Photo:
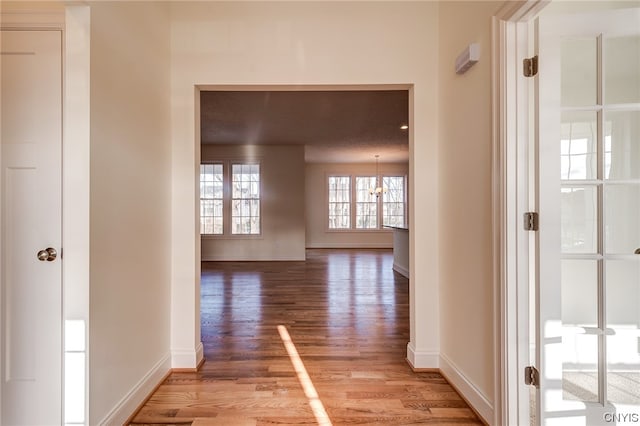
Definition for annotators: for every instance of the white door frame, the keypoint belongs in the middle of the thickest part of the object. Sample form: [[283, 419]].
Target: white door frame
[[510, 187]]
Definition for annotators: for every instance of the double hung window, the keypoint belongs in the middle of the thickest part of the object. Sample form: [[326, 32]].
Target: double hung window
[[230, 199], [393, 201], [339, 202], [211, 199], [366, 203], [245, 199]]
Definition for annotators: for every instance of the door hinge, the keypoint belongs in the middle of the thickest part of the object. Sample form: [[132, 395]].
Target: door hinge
[[530, 66], [531, 376], [531, 221]]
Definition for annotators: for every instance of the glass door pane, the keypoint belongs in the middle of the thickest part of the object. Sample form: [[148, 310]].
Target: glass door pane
[[622, 68], [579, 71], [623, 332], [622, 144], [622, 212], [579, 295]]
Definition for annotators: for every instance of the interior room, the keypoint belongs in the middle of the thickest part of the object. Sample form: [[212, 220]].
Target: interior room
[[301, 140], [114, 113]]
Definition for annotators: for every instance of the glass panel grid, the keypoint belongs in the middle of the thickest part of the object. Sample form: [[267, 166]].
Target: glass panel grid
[[211, 199], [245, 199], [621, 224], [582, 167], [600, 145], [339, 202]]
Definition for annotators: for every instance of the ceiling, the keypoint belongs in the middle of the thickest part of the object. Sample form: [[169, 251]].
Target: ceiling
[[334, 126]]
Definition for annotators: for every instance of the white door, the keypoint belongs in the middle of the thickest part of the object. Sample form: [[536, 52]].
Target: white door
[[31, 120], [589, 204]]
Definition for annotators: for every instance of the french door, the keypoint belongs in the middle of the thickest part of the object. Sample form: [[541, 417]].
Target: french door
[[588, 196]]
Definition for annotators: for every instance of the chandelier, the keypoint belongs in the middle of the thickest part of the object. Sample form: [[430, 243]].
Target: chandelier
[[378, 188]]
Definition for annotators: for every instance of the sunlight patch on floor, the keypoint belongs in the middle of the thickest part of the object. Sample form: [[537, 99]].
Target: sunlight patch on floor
[[303, 377]]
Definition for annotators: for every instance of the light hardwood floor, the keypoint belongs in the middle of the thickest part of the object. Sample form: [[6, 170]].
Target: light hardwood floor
[[347, 315]]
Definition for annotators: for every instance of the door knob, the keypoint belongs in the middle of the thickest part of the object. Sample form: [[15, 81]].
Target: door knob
[[49, 254], [637, 251]]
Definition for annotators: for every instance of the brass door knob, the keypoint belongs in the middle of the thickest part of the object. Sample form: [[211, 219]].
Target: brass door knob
[[49, 254]]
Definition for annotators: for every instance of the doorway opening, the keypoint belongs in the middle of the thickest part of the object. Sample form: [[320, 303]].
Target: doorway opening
[[287, 141]]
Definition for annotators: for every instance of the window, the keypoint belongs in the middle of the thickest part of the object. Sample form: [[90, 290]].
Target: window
[[245, 199], [393, 201], [339, 202], [232, 191], [211, 199], [371, 212], [366, 203]]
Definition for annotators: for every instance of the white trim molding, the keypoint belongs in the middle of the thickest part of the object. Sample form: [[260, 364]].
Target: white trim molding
[[402, 270], [469, 391], [224, 258], [509, 180], [187, 358], [136, 396], [349, 246], [421, 358], [48, 17]]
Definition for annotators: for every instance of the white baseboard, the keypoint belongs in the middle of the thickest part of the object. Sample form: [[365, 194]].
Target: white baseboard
[[187, 358], [401, 270], [199, 353], [421, 358], [132, 400], [349, 246], [225, 258], [469, 391]]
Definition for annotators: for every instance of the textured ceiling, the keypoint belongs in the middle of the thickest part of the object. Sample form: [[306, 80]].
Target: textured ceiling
[[334, 126]]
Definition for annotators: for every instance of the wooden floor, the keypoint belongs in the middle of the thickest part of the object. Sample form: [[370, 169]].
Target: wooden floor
[[347, 315]]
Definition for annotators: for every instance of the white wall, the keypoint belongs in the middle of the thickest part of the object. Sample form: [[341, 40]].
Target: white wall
[[130, 224], [306, 43], [318, 234], [466, 298], [282, 205]]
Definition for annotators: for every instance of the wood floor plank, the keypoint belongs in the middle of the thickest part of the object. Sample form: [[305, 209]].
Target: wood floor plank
[[347, 314]]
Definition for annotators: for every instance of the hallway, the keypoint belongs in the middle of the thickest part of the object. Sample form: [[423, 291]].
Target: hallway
[[346, 314]]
